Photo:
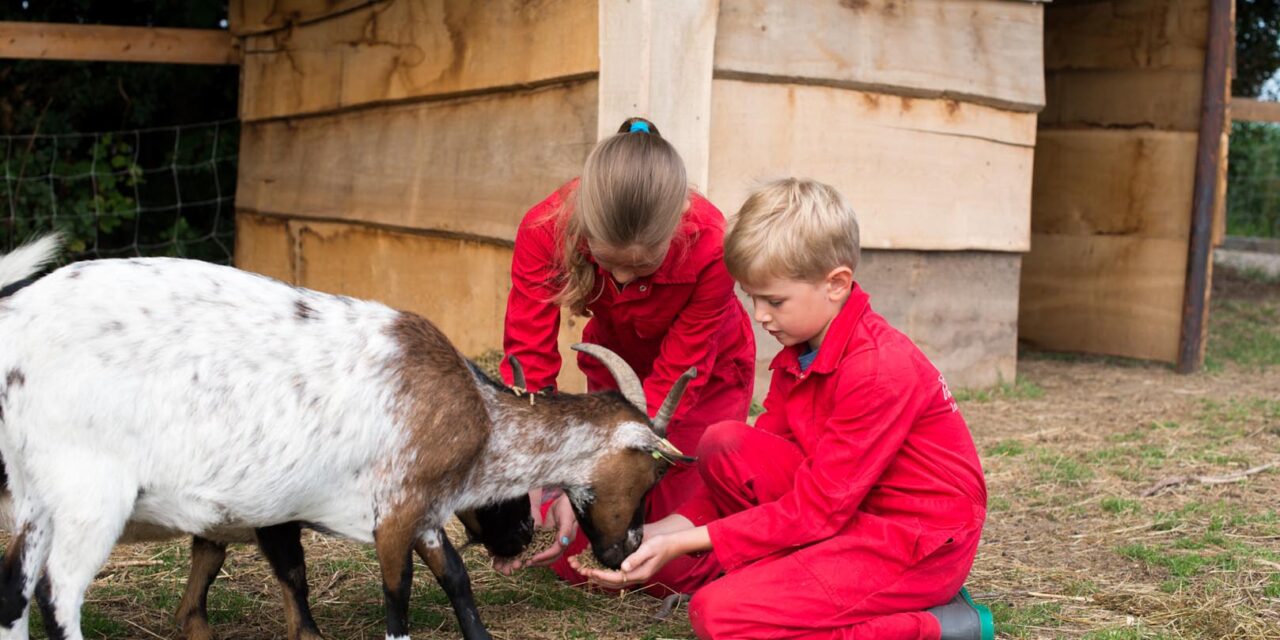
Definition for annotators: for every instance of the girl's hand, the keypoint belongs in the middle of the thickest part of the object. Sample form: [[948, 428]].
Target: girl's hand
[[653, 554], [561, 518]]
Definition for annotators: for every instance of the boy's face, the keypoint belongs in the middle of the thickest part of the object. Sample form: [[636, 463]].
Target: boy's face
[[798, 311]]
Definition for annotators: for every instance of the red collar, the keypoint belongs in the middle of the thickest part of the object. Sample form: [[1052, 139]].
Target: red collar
[[834, 344]]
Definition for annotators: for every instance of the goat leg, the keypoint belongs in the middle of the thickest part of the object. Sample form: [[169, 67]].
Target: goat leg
[[446, 565], [282, 546], [207, 557]]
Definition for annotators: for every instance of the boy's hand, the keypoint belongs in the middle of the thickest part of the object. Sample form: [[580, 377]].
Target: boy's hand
[[652, 555]]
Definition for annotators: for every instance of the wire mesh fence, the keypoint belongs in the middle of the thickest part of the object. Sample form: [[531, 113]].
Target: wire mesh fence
[[1253, 180], [164, 191]]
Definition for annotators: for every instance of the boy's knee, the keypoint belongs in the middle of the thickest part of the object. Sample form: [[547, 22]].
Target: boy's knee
[[703, 609], [722, 437]]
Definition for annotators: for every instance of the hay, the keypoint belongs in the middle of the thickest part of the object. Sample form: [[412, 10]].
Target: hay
[[542, 540]]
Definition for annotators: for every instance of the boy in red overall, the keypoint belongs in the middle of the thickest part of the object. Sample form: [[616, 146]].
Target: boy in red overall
[[856, 502]]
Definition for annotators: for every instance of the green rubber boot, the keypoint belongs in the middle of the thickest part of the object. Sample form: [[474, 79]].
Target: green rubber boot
[[964, 619]]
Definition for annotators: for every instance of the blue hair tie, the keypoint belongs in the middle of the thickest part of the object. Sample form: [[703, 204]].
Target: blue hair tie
[[640, 126]]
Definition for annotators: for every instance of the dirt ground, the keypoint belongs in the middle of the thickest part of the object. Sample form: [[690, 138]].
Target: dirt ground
[[1126, 502]]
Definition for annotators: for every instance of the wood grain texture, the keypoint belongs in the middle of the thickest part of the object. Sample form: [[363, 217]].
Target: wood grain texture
[[972, 50], [1114, 182], [1126, 34], [470, 167], [1113, 295], [1251, 110], [959, 307], [655, 61], [459, 285], [407, 49], [1167, 99], [258, 16], [106, 43], [922, 174]]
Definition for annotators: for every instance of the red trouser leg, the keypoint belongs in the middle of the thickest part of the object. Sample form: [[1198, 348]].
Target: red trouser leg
[[866, 582]]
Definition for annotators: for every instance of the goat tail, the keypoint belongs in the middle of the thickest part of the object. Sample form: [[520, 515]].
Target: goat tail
[[27, 260]]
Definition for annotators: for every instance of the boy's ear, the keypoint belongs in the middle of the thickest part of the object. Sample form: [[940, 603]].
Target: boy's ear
[[840, 282]]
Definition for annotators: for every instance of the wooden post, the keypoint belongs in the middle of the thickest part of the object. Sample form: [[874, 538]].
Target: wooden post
[[656, 62], [1251, 110], [105, 43], [1213, 117]]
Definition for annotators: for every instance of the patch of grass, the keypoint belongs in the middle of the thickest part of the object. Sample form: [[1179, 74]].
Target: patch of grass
[[1006, 448], [1244, 333], [998, 503], [1120, 505], [1023, 389], [1021, 621], [1179, 565], [229, 605], [1059, 469], [1272, 590]]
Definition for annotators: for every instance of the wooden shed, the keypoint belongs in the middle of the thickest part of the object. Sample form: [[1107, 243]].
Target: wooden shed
[[389, 148], [1129, 178]]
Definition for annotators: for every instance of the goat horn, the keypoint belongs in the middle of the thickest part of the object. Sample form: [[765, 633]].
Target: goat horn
[[669, 405], [623, 374], [517, 372]]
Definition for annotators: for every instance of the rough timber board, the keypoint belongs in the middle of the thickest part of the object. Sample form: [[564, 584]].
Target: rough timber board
[[960, 308], [1167, 99], [416, 48], [922, 174], [1114, 182], [263, 246], [1126, 34], [461, 286], [468, 166], [655, 61], [253, 16], [980, 50], [1113, 295]]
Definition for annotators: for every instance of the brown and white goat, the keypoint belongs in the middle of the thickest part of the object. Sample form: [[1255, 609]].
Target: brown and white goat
[[204, 399]]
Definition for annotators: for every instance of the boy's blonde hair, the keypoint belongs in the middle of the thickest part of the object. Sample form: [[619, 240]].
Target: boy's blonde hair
[[792, 228], [633, 191]]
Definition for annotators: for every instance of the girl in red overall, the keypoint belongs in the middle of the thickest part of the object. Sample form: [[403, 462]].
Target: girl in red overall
[[631, 246], [854, 506]]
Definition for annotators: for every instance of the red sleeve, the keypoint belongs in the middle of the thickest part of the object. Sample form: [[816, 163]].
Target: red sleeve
[[532, 325], [693, 339], [871, 421]]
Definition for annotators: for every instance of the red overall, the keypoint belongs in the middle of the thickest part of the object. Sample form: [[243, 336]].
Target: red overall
[[685, 314], [855, 503]]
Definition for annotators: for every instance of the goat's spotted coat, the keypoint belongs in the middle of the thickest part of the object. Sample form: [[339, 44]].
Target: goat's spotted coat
[[203, 399]]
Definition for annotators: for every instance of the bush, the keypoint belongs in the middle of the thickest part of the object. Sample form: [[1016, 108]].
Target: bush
[[1253, 180]]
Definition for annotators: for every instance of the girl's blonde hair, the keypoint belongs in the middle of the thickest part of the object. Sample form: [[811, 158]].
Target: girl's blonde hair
[[792, 228], [633, 191]]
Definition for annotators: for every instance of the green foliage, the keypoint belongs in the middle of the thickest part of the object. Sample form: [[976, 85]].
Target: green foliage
[[159, 191], [84, 195], [1257, 45], [1253, 180]]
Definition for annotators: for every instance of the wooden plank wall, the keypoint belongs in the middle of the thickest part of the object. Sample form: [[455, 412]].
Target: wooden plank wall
[[923, 114], [389, 149], [1114, 171]]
